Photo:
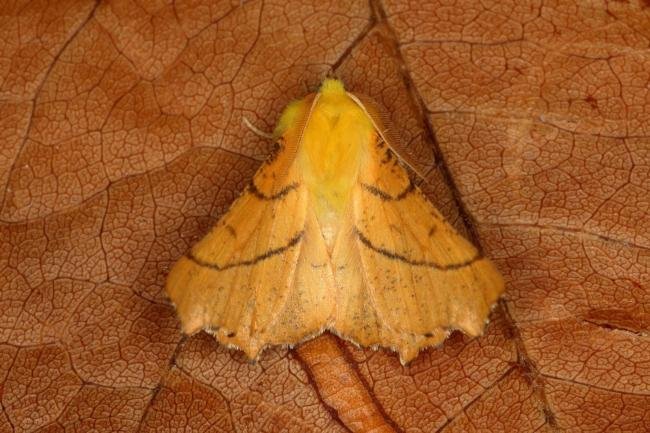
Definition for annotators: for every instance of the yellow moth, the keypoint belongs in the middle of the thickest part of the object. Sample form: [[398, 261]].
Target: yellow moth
[[333, 235]]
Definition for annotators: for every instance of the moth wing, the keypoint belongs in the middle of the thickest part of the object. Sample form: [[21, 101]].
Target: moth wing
[[382, 123], [261, 276], [417, 278]]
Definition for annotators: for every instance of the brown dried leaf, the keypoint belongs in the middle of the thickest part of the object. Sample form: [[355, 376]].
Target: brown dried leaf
[[122, 143]]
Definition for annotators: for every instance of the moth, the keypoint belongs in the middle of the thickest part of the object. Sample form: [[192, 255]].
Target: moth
[[332, 234]]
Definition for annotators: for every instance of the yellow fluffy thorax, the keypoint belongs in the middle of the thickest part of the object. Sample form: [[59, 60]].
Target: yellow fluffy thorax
[[334, 143], [331, 147]]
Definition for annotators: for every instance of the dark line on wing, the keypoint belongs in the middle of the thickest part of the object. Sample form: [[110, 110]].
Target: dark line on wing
[[395, 256], [387, 197], [270, 253], [388, 155], [252, 188], [279, 146]]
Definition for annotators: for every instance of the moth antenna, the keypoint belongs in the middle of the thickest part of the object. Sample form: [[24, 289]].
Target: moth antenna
[[256, 130]]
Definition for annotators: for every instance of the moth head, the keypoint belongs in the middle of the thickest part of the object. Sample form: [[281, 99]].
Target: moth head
[[332, 86], [295, 109]]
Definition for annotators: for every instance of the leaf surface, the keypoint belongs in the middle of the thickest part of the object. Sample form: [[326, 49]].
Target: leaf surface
[[122, 143]]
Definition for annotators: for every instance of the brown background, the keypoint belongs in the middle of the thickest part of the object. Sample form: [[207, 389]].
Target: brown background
[[121, 142]]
